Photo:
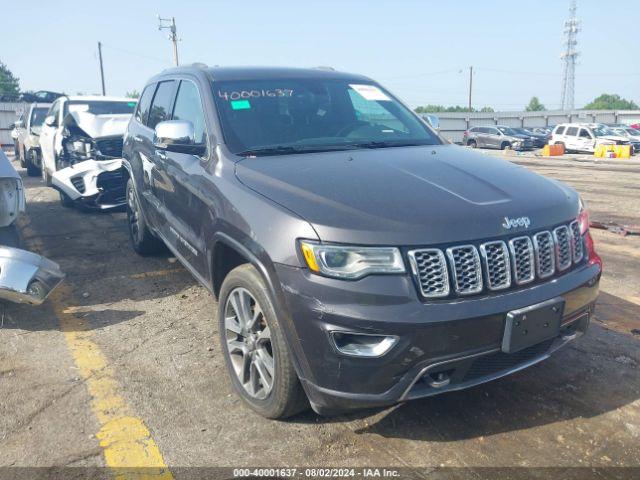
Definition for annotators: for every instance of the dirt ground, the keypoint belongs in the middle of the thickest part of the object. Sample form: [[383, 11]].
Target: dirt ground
[[154, 329]]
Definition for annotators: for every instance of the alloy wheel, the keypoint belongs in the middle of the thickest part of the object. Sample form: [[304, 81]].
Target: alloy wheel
[[249, 343], [133, 213]]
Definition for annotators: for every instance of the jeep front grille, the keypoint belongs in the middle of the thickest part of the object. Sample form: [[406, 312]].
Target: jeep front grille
[[495, 258], [576, 242], [563, 247], [522, 260], [545, 257], [496, 265], [430, 267], [465, 269]]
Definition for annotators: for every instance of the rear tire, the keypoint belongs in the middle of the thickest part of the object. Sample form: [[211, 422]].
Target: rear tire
[[143, 241], [472, 144], [23, 158], [260, 365]]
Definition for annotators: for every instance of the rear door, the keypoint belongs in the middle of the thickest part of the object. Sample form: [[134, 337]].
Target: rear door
[[571, 138]]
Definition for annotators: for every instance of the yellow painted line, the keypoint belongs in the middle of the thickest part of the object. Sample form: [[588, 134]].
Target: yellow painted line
[[129, 449], [156, 273]]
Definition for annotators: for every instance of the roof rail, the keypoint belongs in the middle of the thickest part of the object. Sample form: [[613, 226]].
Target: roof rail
[[324, 67], [199, 65]]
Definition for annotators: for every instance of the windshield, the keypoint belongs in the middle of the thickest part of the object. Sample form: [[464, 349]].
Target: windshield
[[37, 116], [602, 131], [633, 132], [99, 107], [282, 116], [507, 131]]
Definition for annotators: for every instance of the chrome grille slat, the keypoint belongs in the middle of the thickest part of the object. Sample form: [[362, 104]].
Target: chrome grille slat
[[497, 268], [430, 267], [577, 247], [545, 255], [562, 240], [522, 260], [465, 269]]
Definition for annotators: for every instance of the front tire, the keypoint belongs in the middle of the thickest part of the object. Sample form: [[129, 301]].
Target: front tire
[[505, 145], [143, 241], [65, 200], [258, 359], [23, 158]]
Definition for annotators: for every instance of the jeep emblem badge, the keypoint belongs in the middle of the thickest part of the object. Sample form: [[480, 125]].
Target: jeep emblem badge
[[510, 223]]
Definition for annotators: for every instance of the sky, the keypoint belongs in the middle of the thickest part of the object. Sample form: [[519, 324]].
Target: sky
[[419, 49]]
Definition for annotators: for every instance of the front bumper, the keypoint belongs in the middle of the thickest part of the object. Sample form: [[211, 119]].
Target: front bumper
[[93, 184], [462, 336]]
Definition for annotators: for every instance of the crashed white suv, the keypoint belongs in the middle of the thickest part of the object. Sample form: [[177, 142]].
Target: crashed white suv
[[81, 144], [585, 137]]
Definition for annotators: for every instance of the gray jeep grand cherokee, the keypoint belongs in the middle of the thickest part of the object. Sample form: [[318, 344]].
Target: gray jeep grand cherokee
[[358, 259]]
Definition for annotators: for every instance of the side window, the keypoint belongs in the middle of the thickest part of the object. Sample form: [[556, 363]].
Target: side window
[[494, 131], [584, 133], [573, 131], [142, 111], [161, 105], [559, 130], [189, 107]]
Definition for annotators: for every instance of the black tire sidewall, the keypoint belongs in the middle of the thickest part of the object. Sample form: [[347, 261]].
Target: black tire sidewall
[[246, 276]]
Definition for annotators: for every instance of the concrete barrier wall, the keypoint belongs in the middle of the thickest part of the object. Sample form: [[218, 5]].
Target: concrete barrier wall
[[453, 125]]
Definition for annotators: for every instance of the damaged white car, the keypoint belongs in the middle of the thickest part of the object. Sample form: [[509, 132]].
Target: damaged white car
[[25, 277], [81, 144]]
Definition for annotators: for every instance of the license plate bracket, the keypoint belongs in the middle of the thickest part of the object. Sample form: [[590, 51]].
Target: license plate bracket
[[531, 325]]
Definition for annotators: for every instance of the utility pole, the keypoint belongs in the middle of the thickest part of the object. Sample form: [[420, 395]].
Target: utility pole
[[470, 85], [170, 24], [101, 68], [569, 59]]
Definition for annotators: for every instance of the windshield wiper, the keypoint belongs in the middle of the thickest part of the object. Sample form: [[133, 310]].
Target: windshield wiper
[[292, 149], [386, 144]]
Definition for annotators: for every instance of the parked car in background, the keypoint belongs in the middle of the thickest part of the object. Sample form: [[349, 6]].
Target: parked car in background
[[358, 259], [585, 137], [41, 96], [29, 138], [539, 130], [15, 132], [86, 133], [539, 139], [498, 136], [631, 133], [25, 277]]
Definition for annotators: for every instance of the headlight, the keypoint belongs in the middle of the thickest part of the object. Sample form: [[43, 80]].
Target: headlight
[[351, 262]]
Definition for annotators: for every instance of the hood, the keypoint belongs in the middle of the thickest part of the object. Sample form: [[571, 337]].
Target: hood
[[408, 195], [97, 126], [614, 138]]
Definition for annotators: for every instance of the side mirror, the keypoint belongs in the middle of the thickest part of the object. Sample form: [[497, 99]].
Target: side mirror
[[177, 136], [50, 121]]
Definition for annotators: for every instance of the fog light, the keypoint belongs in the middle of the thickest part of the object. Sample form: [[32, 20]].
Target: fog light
[[362, 344]]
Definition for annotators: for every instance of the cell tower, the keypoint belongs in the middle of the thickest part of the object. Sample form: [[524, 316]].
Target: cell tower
[[569, 58]]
